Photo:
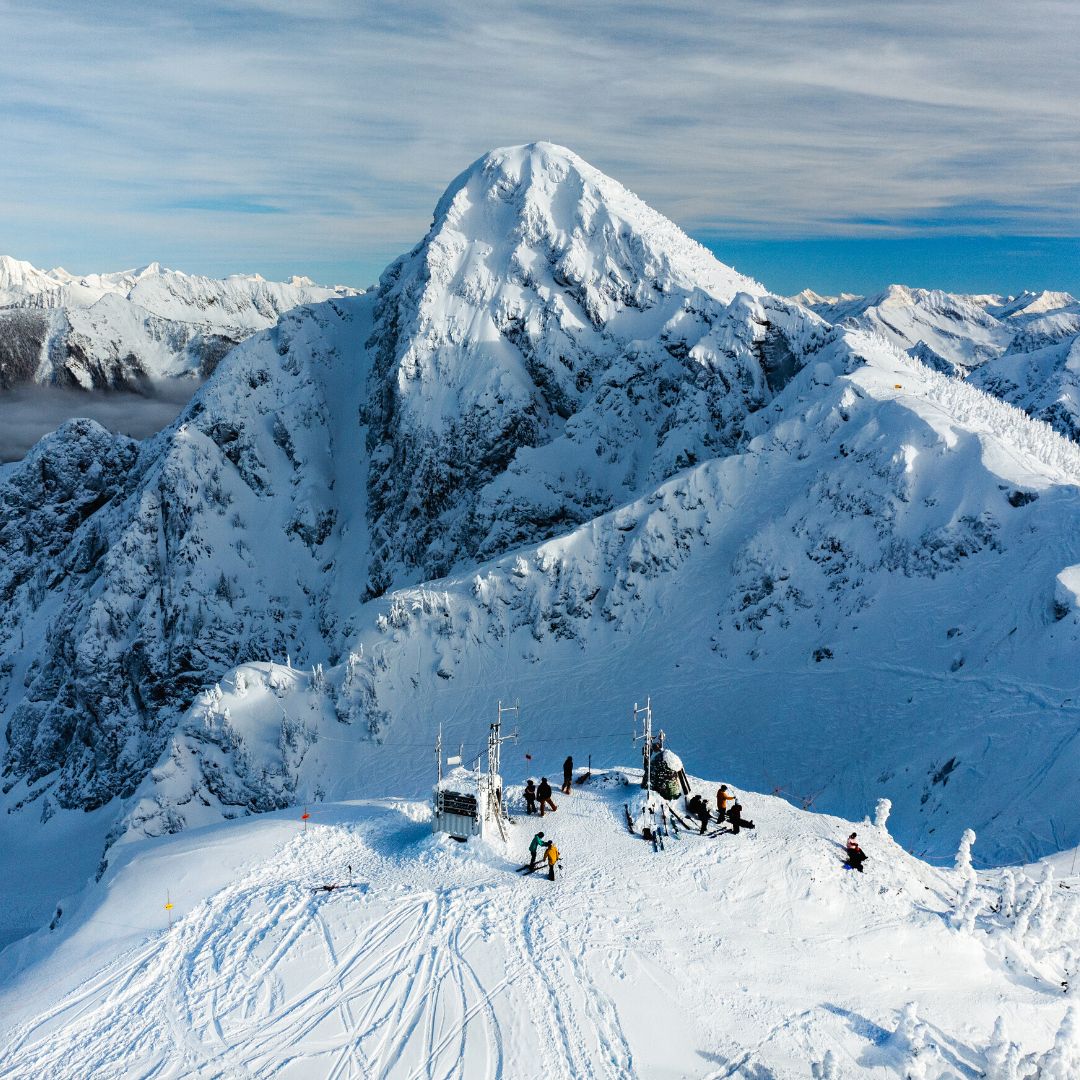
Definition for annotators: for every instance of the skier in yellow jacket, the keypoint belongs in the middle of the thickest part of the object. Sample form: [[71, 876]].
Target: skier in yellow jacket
[[552, 856]]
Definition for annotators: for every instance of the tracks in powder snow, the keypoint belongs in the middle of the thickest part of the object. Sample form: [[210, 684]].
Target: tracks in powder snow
[[265, 978]]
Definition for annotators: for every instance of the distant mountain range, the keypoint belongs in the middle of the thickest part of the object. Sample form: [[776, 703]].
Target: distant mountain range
[[124, 330], [1023, 349]]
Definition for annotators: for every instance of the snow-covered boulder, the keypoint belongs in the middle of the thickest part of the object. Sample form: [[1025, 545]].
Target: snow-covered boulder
[[1067, 592]]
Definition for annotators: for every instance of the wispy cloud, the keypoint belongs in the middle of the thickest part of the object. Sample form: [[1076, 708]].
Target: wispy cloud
[[263, 134], [224, 204]]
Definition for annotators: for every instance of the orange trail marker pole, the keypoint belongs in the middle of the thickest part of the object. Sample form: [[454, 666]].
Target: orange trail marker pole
[[303, 817], [168, 908]]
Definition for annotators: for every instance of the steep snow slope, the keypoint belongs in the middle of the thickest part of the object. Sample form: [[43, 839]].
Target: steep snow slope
[[1016, 347], [122, 330], [133, 573], [734, 956], [1044, 382], [885, 554]]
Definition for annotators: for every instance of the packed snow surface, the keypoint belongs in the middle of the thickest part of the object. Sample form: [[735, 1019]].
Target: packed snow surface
[[719, 956]]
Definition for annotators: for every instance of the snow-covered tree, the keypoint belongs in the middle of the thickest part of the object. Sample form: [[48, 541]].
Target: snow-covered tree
[[1062, 1060], [1032, 902], [881, 813], [967, 906], [963, 853], [1002, 1055], [909, 1043], [1008, 895]]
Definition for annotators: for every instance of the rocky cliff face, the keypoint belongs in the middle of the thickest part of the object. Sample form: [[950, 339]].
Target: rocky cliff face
[[130, 574]]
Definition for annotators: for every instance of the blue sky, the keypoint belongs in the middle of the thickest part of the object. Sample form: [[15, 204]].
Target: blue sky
[[836, 146]]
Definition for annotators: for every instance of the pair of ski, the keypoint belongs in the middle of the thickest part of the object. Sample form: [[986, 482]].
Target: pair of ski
[[527, 869], [334, 886], [647, 833], [657, 834]]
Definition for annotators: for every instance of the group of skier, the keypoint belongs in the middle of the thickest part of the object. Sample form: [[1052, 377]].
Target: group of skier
[[728, 809], [539, 795]]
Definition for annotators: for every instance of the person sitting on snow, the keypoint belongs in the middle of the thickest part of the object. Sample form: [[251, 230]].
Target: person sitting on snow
[[734, 816], [855, 854], [699, 808]]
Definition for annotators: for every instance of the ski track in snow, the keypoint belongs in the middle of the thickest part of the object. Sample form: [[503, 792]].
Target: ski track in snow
[[392, 992], [716, 957]]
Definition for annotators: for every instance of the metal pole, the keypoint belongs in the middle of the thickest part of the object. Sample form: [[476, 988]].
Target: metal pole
[[648, 745]]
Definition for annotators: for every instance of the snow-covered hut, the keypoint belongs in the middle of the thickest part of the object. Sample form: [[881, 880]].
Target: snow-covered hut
[[464, 802], [666, 774]]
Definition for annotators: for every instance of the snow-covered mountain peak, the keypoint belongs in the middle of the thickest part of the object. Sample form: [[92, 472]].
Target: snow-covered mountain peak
[[1035, 303], [601, 232], [16, 274], [543, 292]]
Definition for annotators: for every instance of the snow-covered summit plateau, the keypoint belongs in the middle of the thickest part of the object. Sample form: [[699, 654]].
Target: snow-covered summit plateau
[[746, 956], [560, 454]]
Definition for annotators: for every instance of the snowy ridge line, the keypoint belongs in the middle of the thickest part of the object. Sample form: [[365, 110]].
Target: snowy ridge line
[[984, 412]]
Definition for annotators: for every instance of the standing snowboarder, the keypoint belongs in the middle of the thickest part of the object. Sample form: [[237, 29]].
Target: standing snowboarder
[[543, 795], [699, 808], [567, 775], [552, 856], [855, 854], [530, 796], [535, 845]]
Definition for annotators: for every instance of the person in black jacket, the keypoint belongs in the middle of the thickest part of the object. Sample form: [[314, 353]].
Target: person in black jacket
[[699, 808], [543, 795], [530, 796], [567, 774], [734, 815]]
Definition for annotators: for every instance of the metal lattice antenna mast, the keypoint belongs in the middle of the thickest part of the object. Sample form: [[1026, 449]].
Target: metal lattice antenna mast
[[438, 753], [645, 712], [495, 741]]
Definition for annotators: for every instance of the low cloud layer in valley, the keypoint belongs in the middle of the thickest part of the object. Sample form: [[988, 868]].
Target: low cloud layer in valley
[[28, 414]]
